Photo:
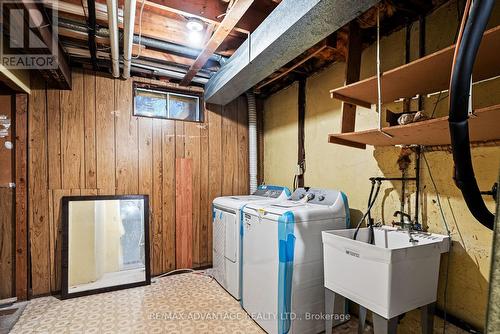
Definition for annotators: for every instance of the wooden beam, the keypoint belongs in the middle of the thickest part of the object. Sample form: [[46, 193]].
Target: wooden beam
[[294, 66], [21, 154], [186, 14], [351, 100], [345, 142], [62, 74], [232, 17], [162, 56], [353, 67]]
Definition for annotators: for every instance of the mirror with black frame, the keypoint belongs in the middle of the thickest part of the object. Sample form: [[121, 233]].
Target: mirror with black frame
[[105, 243]]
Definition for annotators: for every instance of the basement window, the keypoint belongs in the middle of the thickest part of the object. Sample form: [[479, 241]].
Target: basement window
[[161, 102]]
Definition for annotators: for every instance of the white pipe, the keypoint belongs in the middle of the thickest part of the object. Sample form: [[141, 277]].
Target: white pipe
[[113, 36], [128, 28], [252, 141]]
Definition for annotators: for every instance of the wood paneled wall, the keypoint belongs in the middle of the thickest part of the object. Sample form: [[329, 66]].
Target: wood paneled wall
[[7, 231], [86, 141]]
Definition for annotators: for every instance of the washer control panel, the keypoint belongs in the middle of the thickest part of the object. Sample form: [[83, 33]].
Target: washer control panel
[[270, 191], [316, 195]]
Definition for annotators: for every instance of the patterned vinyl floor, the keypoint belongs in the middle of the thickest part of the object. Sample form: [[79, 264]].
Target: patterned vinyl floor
[[175, 304]]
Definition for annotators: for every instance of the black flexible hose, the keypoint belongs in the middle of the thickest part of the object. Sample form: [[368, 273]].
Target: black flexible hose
[[370, 200], [371, 238], [459, 102], [367, 211]]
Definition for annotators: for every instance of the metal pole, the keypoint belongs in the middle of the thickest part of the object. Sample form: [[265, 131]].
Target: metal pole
[[417, 184]]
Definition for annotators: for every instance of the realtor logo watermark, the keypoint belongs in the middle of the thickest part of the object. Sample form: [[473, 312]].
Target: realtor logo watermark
[[28, 41]]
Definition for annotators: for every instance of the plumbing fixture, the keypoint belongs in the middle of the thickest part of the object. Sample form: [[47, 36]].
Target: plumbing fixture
[[408, 225]]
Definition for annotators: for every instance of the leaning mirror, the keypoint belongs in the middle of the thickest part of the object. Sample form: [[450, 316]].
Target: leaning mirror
[[105, 244]]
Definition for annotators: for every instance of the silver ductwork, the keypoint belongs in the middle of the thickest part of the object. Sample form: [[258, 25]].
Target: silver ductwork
[[150, 43], [252, 140]]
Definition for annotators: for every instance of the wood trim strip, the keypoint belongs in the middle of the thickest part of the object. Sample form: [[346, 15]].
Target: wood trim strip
[[184, 213], [21, 209]]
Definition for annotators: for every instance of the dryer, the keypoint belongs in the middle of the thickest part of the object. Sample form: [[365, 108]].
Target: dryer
[[226, 233], [282, 261]]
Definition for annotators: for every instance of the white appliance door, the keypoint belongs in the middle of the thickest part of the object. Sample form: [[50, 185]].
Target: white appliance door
[[231, 235], [218, 246], [260, 271]]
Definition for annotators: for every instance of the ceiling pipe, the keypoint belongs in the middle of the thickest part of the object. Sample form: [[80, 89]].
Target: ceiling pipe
[[128, 28], [113, 36], [91, 33], [81, 56], [150, 43], [164, 72]]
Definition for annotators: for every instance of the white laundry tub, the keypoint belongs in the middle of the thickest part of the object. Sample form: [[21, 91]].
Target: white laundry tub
[[389, 278]]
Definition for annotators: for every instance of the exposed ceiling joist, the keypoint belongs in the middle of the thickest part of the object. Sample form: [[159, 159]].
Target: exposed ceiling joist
[[292, 28], [323, 45], [79, 10], [61, 74], [186, 14], [237, 10]]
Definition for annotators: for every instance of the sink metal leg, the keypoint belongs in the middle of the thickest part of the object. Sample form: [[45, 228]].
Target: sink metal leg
[[361, 319], [329, 305], [427, 314], [334, 308], [382, 325]]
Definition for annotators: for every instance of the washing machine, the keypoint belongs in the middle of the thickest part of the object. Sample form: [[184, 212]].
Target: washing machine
[[227, 230], [282, 259]]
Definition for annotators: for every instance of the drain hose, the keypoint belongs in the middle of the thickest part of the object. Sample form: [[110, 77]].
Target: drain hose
[[468, 47]]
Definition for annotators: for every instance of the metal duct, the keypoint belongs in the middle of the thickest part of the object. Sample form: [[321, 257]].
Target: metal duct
[[252, 140], [128, 28], [140, 66], [151, 43], [113, 36], [167, 72]]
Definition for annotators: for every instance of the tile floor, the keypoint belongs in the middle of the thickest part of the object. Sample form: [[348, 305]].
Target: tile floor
[[172, 304]]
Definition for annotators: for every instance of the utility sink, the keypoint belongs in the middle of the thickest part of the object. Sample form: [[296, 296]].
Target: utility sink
[[391, 277]]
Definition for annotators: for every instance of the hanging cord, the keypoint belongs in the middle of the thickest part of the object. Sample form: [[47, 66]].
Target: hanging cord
[[438, 197], [140, 31], [370, 205]]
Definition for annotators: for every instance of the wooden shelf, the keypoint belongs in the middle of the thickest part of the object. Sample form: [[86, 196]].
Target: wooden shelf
[[426, 75], [483, 126]]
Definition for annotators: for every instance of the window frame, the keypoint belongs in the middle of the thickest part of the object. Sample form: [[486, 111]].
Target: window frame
[[170, 90]]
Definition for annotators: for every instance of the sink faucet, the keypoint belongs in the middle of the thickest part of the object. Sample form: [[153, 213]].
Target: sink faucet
[[410, 226]]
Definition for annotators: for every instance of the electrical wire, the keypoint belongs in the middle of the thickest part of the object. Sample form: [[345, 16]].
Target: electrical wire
[[445, 292], [140, 31]]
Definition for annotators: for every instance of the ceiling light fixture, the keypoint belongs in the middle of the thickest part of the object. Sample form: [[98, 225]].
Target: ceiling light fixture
[[195, 24]]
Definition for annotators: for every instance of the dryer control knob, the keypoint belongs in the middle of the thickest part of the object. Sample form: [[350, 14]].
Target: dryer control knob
[[321, 198]]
